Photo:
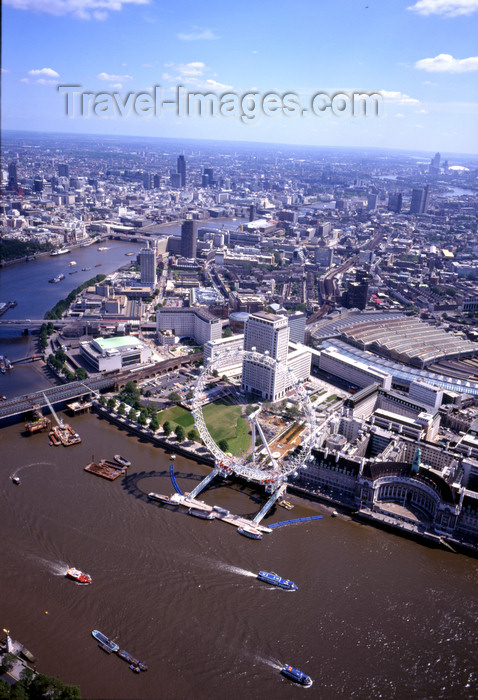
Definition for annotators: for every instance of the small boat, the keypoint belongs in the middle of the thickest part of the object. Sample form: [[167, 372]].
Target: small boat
[[73, 272], [78, 576], [172, 456], [161, 497], [249, 531], [297, 676], [54, 280], [334, 513], [131, 253], [276, 580], [15, 479], [60, 251], [98, 264], [204, 514], [135, 664], [122, 461], [61, 276], [103, 247], [72, 263], [103, 640], [220, 511], [84, 269], [286, 504]]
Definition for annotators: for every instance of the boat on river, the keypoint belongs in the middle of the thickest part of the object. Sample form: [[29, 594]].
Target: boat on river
[[135, 664], [275, 580], [105, 643], [162, 498], [297, 676], [60, 251], [122, 461], [249, 531], [199, 513], [78, 576]]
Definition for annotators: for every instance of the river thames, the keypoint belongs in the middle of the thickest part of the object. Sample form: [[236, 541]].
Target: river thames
[[375, 616]]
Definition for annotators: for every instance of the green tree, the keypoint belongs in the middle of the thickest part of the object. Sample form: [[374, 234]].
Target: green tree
[[193, 435], [154, 423], [174, 397], [111, 404], [122, 408], [81, 373], [167, 428], [102, 401], [223, 445], [143, 417], [180, 434], [189, 395], [227, 332], [8, 661], [132, 415], [215, 373]]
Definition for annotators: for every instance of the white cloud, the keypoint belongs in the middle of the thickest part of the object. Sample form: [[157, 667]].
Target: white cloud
[[45, 72], [445, 63], [421, 111], [114, 78], [446, 8], [198, 34], [214, 85], [4, 70], [80, 9], [116, 86], [185, 70], [398, 97], [400, 116]]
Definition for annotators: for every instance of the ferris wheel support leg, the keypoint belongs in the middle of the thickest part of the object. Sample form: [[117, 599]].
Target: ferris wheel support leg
[[204, 483], [268, 505]]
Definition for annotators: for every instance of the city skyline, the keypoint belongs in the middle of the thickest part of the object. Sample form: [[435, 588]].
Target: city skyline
[[419, 56]]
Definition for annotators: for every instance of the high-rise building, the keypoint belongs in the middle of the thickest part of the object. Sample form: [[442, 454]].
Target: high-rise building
[[267, 333], [372, 201], [182, 170], [12, 176], [189, 239], [63, 170], [395, 201], [420, 200], [175, 179], [147, 263]]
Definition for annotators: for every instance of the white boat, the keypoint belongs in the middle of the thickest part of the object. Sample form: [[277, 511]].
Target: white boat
[[72, 262], [249, 531], [60, 251], [103, 247]]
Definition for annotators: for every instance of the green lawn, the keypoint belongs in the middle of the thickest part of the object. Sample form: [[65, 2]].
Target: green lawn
[[223, 420], [177, 415]]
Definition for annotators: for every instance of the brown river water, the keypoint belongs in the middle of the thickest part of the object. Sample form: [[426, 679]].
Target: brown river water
[[375, 616]]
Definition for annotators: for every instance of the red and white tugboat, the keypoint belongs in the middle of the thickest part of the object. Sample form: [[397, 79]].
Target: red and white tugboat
[[78, 576]]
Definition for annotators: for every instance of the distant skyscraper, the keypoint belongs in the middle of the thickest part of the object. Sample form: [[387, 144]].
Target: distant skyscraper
[[148, 179], [63, 170], [175, 179], [147, 263], [182, 170], [435, 161], [372, 201], [252, 213], [189, 239], [420, 199], [12, 177], [395, 200]]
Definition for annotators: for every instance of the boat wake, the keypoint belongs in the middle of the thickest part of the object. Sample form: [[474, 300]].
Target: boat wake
[[57, 568], [273, 663], [237, 570], [29, 466]]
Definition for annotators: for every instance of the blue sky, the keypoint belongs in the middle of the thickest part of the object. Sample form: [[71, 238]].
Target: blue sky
[[422, 55]]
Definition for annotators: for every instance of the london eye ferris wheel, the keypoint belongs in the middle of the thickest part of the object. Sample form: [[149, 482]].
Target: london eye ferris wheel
[[272, 457]]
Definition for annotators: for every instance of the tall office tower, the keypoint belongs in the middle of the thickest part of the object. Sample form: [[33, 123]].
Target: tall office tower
[[209, 172], [252, 213], [38, 184], [147, 181], [324, 257], [189, 239], [435, 161], [266, 333], [372, 201], [156, 181], [182, 170], [296, 323], [420, 200], [147, 263], [395, 201], [12, 176], [175, 179], [63, 170], [356, 296]]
